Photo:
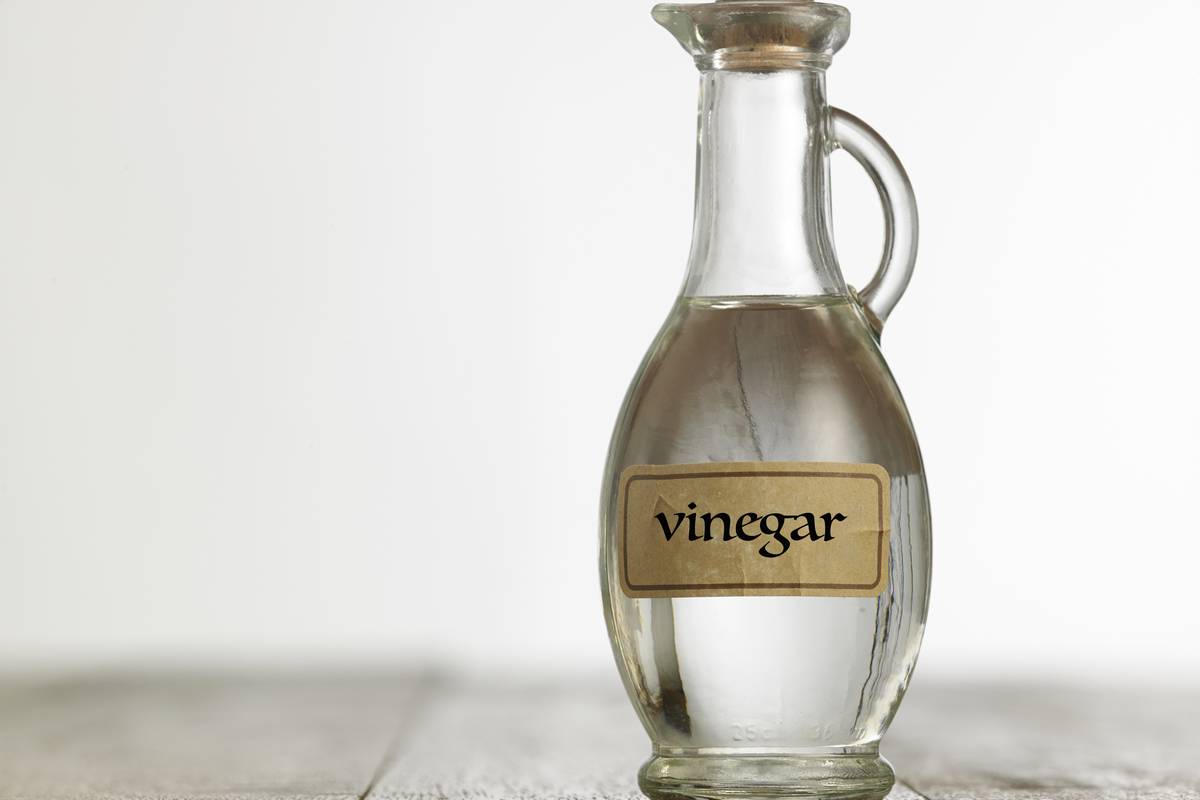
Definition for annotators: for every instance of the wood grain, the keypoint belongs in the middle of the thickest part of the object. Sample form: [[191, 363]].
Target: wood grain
[[578, 740], [413, 737], [1013, 742], [199, 737]]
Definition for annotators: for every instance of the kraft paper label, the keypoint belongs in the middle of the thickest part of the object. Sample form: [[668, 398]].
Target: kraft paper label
[[754, 529]]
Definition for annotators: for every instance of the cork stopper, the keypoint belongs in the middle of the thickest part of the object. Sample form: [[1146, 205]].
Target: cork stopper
[[753, 34]]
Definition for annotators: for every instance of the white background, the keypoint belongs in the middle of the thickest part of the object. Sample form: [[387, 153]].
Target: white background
[[315, 318]]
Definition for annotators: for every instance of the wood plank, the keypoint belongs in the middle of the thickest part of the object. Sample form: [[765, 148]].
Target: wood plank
[[199, 737], [204, 738], [566, 739], [1019, 742]]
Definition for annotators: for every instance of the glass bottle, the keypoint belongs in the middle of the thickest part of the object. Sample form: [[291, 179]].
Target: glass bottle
[[765, 533]]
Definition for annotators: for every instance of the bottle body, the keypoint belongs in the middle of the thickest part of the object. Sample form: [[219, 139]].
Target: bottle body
[[765, 652], [758, 692]]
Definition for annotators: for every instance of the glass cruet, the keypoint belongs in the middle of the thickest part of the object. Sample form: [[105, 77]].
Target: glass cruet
[[765, 532]]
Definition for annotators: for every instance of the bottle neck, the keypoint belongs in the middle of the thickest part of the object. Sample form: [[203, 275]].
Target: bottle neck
[[762, 225]]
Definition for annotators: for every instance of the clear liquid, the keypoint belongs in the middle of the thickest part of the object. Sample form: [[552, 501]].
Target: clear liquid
[[769, 379]]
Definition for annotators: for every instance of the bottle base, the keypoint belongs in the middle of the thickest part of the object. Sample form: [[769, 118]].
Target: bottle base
[[840, 777]]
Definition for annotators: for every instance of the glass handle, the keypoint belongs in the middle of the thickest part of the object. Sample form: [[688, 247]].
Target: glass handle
[[880, 296]]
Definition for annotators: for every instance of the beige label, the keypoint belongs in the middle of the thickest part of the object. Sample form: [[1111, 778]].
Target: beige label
[[740, 529]]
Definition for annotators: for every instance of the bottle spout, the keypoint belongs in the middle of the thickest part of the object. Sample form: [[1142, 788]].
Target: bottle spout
[[751, 34]]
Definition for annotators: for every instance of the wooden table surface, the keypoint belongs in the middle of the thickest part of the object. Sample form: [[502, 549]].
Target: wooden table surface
[[418, 736]]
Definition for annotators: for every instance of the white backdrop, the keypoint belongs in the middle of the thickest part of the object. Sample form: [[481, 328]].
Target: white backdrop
[[297, 297]]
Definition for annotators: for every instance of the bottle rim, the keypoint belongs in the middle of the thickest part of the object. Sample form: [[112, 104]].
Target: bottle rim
[[757, 34]]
